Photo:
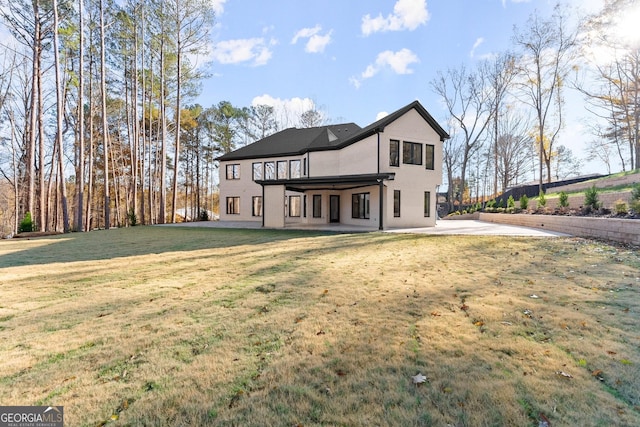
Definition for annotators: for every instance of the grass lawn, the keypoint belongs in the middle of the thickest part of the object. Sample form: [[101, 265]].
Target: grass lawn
[[165, 326]]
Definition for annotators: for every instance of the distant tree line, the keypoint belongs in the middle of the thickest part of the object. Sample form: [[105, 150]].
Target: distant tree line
[[505, 114], [97, 124]]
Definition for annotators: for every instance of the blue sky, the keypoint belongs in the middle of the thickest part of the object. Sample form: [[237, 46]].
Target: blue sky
[[357, 59]]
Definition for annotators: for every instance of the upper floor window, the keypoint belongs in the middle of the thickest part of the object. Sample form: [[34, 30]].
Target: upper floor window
[[394, 152], [412, 153], [429, 150], [269, 170], [282, 169], [233, 171], [257, 171], [294, 169]]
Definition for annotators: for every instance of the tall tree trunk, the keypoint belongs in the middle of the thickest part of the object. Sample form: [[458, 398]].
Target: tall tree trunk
[[59, 124], [81, 160], [162, 217], [31, 149], [105, 125], [176, 160]]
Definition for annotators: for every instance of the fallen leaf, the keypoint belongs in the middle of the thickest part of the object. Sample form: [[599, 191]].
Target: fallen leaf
[[435, 313], [464, 307], [418, 379], [564, 374], [611, 352], [479, 323], [320, 333]]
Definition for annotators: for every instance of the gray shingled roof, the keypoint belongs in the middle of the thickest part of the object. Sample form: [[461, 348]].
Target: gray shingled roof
[[293, 141]]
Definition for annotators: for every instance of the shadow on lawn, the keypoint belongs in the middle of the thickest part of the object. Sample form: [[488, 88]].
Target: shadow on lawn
[[134, 241]]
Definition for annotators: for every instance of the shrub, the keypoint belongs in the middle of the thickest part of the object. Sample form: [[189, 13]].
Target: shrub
[[635, 192], [491, 204], [620, 207], [204, 215], [542, 201], [564, 199], [635, 206], [591, 199], [511, 203], [26, 225], [132, 217], [524, 202]]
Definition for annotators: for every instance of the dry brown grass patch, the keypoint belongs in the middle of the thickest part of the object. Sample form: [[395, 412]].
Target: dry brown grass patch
[[161, 326]]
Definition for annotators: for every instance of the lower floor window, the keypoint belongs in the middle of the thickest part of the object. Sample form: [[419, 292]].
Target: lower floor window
[[360, 205], [256, 209], [427, 203], [233, 205], [294, 205], [396, 203], [317, 205]]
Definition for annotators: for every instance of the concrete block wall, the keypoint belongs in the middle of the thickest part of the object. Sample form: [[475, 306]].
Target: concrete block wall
[[618, 230]]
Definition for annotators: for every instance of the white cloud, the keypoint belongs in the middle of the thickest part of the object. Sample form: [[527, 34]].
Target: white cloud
[[236, 51], [287, 111], [398, 62], [476, 45], [407, 15], [316, 42], [381, 115], [504, 2], [218, 6]]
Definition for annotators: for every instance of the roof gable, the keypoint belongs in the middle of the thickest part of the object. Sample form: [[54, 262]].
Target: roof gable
[[294, 141]]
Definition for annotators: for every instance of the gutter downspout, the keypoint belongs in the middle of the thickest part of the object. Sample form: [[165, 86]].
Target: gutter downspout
[[381, 187], [263, 204]]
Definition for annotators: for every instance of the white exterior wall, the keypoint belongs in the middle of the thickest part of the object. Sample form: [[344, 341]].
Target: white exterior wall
[[411, 180], [358, 158]]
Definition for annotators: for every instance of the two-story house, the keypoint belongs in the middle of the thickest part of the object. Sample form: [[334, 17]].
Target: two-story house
[[384, 175]]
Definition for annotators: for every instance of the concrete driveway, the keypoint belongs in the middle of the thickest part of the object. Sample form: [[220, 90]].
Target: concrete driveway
[[451, 227], [479, 228]]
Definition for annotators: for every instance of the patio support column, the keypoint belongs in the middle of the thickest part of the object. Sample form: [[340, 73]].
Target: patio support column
[[381, 187]]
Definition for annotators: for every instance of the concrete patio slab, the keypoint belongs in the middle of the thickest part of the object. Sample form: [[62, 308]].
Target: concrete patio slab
[[458, 227]]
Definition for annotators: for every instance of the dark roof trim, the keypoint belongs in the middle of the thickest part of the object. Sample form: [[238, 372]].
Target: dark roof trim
[[337, 182], [379, 126]]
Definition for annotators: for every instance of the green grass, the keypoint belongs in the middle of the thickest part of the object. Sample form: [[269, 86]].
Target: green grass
[[192, 326]]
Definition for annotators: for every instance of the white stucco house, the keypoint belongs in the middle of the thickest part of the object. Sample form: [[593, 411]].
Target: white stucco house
[[384, 175]]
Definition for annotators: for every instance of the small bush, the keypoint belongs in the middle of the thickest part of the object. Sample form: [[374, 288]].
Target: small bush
[[524, 202], [635, 206], [591, 199], [635, 192], [620, 207], [132, 217], [511, 203], [204, 215], [26, 225], [542, 201], [491, 204], [564, 199]]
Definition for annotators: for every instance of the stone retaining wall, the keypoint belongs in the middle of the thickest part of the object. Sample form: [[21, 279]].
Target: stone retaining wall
[[618, 230]]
